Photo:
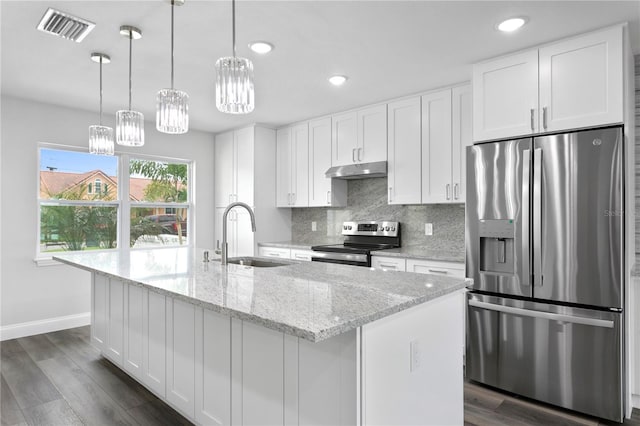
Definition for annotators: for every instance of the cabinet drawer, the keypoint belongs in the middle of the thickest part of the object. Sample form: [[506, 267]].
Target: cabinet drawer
[[301, 255], [450, 269], [282, 253], [388, 263]]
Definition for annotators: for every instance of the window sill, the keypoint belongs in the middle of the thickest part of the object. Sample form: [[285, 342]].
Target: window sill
[[46, 261]]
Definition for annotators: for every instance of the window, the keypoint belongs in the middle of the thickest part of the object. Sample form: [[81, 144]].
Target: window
[[82, 201]]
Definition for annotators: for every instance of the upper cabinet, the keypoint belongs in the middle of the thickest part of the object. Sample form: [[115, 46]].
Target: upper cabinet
[[323, 191], [569, 84], [292, 181], [359, 136], [234, 161]]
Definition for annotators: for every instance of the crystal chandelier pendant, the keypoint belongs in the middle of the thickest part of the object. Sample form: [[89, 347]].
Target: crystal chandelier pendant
[[234, 85], [101, 140], [129, 128], [172, 111]]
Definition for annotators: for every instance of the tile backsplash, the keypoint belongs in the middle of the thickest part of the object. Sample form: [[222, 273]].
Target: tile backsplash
[[367, 200]]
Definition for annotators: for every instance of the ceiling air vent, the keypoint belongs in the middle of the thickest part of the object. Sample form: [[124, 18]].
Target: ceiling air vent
[[64, 25]]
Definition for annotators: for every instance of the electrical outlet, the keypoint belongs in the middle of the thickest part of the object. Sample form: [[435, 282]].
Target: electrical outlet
[[414, 355], [428, 229], [314, 226]]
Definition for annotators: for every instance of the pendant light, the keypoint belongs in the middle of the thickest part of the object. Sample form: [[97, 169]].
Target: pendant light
[[172, 106], [130, 124], [100, 137], [234, 79]]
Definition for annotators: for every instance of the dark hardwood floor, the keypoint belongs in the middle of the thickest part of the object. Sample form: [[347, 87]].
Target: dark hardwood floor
[[60, 379]]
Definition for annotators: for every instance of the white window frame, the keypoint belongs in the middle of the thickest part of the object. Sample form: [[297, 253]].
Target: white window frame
[[122, 203]]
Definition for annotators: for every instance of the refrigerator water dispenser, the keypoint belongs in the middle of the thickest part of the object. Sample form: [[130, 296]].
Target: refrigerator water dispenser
[[497, 246]]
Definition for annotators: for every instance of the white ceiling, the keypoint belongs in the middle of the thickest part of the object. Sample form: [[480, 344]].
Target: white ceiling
[[387, 48]]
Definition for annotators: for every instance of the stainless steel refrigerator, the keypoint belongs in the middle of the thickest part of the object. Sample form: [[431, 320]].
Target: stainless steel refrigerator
[[545, 245]]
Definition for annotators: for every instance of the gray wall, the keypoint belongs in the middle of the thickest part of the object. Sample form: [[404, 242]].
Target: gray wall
[[367, 200]]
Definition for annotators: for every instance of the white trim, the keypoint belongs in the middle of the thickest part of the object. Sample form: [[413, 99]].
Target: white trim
[[635, 401], [31, 328]]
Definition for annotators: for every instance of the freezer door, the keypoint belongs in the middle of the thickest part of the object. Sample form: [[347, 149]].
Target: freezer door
[[578, 217], [497, 217], [569, 357]]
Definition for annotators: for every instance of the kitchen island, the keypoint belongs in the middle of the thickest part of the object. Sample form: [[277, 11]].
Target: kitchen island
[[302, 343]]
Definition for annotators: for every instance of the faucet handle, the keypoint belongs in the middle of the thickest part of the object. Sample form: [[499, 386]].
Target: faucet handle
[[218, 250], [206, 256]]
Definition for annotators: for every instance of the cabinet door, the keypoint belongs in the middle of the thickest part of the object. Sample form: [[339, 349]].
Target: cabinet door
[[282, 253], [581, 81], [224, 169], [505, 97], [319, 162], [133, 331], [243, 173], [385, 263], [100, 301], [283, 167], [436, 147], [300, 165], [154, 342], [404, 152], [115, 322], [181, 355], [344, 138], [213, 368], [461, 139], [372, 134]]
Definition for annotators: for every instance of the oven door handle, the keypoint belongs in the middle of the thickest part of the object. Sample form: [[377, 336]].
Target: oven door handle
[[339, 261]]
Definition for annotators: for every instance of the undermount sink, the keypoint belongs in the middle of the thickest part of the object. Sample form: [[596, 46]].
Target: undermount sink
[[255, 262]]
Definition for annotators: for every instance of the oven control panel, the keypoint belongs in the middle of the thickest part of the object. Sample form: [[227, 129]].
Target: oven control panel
[[372, 228]]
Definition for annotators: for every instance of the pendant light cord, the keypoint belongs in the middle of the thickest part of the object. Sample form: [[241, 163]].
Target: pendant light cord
[[130, 47], [101, 90], [172, 7], [233, 25]]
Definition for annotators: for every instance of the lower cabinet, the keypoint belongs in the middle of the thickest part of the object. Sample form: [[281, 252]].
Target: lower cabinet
[[154, 343], [181, 355]]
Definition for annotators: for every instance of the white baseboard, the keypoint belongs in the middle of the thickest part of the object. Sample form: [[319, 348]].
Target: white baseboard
[[31, 328], [635, 401]]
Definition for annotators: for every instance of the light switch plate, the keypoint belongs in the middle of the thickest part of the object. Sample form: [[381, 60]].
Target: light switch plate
[[314, 226], [428, 229]]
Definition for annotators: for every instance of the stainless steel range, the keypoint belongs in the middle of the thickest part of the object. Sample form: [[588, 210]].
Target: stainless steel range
[[361, 238]]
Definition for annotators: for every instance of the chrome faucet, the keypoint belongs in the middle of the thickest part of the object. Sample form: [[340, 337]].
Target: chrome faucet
[[225, 246]]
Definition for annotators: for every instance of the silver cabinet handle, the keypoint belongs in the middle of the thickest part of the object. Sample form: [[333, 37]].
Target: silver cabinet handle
[[384, 265], [537, 217], [544, 315], [353, 155], [533, 127], [359, 151], [301, 256], [272, 254], [526, 167], [438, 271], [328, 197], [390, 198], [455, 191], [544, 117], [448, 187]]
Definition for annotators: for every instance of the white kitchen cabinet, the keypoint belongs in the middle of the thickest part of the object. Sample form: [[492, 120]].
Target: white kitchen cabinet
[[386, 263], [133, 331], [404, 162], [213, 368], [360, 136], [304, 255], [323, 191], [115, 322], [154, 325], [99, 304], [572, 83], [292, 181], [181, 355], [450, 269], [240, 238], [234, 167], [446, 132], [279, 252]]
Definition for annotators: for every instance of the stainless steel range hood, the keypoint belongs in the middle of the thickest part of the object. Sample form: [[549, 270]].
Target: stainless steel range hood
[[358, 171]]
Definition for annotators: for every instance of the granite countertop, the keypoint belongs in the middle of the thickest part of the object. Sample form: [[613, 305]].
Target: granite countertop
[[408, 252], [311, 300]]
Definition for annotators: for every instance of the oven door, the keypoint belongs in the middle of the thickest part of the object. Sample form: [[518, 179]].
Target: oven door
[[355, 259]]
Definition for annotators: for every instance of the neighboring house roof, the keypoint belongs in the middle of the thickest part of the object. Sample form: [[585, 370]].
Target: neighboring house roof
[[54, 182]]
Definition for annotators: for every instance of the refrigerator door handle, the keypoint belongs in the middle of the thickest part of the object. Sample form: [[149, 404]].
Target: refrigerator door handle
[[537, 217], [526, 170], [594, 322]]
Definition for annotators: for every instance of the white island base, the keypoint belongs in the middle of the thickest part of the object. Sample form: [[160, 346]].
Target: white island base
[[404, 369]]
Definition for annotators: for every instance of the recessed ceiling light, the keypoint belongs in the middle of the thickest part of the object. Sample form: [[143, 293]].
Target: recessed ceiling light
[[338, 80], [511, 24], [261, 47]]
